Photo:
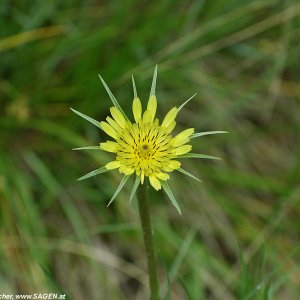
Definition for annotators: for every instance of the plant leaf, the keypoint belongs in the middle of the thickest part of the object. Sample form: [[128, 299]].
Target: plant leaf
[[206, 133], [186, 102], [153, 86], [188, 174], [112, 97], [197, 155], [118, 190], [88, 148], [93, 173], [91, 120], [168, 191], [134, 188]]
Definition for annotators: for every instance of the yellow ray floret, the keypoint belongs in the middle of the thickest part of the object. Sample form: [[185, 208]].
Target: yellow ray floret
[[151, 107], [137, 109]]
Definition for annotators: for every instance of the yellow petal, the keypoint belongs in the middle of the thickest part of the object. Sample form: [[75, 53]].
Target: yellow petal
[[174, 164], [113, 124], [170, 127], [183, 149], [155, 182], [110, 146], [151, 107], [167, 169], [183, 137], [118, 116], [126, 170], [113, 165], [170, 116], [108, 129], [147, 116], [162, 176], [142, 177], [137, 109], [128, 138]]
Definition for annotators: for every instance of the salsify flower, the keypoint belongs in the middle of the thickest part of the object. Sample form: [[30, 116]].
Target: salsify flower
[[145, 147]]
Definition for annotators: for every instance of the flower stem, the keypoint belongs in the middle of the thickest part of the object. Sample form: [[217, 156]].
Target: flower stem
[[142, 196]]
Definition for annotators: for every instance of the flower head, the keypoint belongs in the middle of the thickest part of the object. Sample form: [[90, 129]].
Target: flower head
[[144, 147]]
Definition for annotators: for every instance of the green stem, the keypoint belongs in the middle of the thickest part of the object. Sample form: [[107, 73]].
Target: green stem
[[142, 196]]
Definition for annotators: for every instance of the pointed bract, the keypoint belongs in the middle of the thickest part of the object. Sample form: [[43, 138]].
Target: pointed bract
[[118, 190], [168, 191], [206, 133], [153, 85], [111, 96], [134, 188], [186, 102], [134, 88], [188, 174], [93, 173], [88, 148], [198, 155], [91, 120]]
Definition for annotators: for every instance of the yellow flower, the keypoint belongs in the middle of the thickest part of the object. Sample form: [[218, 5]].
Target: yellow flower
[[145, 147]]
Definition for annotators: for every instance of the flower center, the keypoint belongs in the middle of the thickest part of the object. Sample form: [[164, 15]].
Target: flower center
[[145, 151]]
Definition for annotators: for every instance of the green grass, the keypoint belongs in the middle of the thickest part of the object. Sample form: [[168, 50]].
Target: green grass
[[238, 236]]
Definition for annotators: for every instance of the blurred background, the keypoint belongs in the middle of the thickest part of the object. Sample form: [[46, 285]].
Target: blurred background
[[238, 236]]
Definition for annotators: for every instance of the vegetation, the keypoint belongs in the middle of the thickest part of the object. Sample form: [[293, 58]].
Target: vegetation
[[238, 236]]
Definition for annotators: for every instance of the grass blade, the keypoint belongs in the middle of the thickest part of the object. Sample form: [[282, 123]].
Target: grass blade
[[182, 253], [91, 120], [188, 174], [52, 185], [93, 173], [168, 191], [123, 181]]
